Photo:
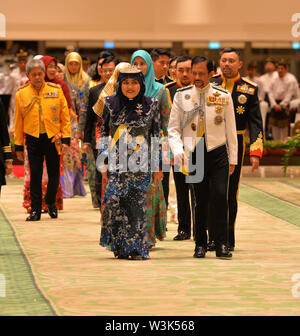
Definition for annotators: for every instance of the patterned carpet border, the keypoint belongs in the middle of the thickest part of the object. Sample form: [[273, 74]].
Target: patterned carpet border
[[31, 308]]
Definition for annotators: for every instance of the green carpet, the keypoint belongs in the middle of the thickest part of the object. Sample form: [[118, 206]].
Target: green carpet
[[270, 203], [19, 294]]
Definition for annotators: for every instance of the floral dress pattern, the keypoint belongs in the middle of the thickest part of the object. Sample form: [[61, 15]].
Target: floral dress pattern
[[124, 229], [156, 205]]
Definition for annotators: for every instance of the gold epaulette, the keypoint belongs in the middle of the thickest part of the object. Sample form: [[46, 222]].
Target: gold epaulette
[[170, 83], [23, 86], [249, 81], [53, 84]]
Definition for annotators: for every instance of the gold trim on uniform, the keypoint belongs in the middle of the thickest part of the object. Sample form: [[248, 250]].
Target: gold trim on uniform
[[218, 120], [242, 99], [240, 109], [6, 149], [258, 144], [241, 132]]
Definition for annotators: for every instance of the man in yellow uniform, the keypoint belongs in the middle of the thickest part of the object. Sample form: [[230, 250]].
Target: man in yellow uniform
[[42, 118]]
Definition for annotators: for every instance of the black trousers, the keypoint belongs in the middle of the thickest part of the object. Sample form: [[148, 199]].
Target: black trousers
[[38, 149], [212, 191], [234, 181], [183, 202], [165, 185], [98, 182]]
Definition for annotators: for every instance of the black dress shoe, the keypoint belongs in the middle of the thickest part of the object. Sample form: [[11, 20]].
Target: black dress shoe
[[182, 236], [52, 210], [231, 248], [211, 246], [34, 216], [199, 252], [222, 251]]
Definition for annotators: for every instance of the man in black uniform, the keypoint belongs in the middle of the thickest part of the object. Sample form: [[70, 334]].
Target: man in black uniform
[[5, 149], [184, 79], [247, 112]]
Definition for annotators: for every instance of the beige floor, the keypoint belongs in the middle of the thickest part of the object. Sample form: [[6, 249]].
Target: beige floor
[[81, 278]]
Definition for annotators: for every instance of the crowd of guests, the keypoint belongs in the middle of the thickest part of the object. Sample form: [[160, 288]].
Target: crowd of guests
[[65, 118]]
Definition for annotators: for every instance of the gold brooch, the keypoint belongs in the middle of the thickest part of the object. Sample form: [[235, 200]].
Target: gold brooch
[[240, 109], [219, 109]]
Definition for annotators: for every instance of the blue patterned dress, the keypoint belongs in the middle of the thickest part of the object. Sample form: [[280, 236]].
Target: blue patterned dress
[[124, 229]]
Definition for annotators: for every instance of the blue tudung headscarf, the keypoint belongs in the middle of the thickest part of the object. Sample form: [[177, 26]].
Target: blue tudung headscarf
[[152, 87]]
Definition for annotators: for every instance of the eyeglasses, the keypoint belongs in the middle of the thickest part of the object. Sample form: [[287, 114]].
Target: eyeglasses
[[107, 70]]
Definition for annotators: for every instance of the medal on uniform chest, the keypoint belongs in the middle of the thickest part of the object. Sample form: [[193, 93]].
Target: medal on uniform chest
[[219, 109], [218, 120], [193, 126], [240, 109], [242, 99], [55, 118], [187, 97], [54, 108]]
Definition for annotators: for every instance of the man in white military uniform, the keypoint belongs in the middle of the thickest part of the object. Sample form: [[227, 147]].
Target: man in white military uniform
[[204, 114]]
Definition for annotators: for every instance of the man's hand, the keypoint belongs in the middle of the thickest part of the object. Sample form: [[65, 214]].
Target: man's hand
[[8, 167], [87, 148], [231, 169], [254, 160], [20, 155], [157, 177], [180, 160]]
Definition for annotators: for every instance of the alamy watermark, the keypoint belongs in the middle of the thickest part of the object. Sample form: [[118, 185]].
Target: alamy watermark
[[296, 27], [2, 286], [133, 154], [2, 25]]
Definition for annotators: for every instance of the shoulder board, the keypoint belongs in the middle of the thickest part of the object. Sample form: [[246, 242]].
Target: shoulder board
[[23, 86], [53, 84], [216, 87], [185, 88], [249, 81], [170, 84]]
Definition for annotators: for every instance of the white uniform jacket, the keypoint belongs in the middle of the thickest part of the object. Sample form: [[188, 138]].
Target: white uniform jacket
[[219, 120]]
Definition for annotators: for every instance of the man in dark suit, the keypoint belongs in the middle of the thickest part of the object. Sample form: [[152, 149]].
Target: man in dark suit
[[5, 149], [107, 68], [161, 59], [247, 113]]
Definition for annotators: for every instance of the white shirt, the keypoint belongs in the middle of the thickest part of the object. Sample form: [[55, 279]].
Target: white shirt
[[267, 78], [282, 89]]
